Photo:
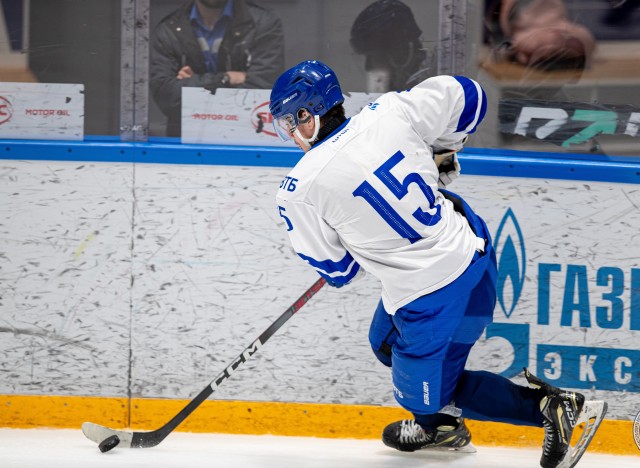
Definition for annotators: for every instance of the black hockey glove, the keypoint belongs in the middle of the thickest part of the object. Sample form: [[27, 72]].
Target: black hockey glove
[[448, 168], [214, 81]]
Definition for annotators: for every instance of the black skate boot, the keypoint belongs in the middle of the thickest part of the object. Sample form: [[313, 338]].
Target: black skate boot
[[560, 412], [408, 436]]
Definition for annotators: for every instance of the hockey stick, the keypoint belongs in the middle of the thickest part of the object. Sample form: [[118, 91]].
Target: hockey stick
[[109, 438]]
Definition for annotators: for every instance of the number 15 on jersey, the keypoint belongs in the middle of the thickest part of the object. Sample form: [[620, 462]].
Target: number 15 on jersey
[[399, 189]]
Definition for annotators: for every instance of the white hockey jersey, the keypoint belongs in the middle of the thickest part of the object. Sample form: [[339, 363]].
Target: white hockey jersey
[[367, 195]]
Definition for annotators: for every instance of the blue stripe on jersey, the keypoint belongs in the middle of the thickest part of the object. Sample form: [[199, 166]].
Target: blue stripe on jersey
[[329, 266], [483, 110], [342, 280], [471, 103]]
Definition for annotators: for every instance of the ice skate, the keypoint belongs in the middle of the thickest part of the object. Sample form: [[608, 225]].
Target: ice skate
[[562, 411], [408, 436]]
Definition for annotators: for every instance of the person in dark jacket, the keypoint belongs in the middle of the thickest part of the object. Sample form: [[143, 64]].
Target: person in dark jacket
[[387, 34], [213, 44]]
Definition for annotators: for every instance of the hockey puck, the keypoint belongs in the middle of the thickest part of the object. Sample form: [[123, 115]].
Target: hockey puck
[[109, 443]]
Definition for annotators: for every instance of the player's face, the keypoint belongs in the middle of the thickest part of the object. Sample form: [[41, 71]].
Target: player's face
[[300, 143], [285, 126], [296, 128], [306, 127]]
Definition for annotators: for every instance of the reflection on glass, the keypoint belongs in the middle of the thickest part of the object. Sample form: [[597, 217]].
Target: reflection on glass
[[387, 34], [563, 75], [538, 34]]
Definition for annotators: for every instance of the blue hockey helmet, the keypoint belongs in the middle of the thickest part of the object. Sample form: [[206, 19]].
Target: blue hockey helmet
[[310, 85]]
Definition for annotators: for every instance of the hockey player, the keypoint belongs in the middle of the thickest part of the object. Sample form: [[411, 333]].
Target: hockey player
[[368, 195]]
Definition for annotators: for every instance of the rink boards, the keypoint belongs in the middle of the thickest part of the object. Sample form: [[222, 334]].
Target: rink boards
[[147, 279]]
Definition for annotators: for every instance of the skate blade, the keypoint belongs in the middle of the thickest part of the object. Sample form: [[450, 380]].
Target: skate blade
[[591, 416], [466, 449]]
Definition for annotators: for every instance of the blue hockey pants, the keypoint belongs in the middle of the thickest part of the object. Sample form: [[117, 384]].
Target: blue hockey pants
[[427, 342]]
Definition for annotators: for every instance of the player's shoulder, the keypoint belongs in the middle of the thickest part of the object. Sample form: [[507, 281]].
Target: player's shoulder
[[296, 184], [384, 103], [382, 111], [317, 163], [431, 94], [448, 85]]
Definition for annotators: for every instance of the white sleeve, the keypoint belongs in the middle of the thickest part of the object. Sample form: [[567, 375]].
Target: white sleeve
[[444, 109], [317, 243]]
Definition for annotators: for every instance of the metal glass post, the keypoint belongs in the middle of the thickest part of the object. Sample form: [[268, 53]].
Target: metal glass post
[[134, 71], [452, 37]]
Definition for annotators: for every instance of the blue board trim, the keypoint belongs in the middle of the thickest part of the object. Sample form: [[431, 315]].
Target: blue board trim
[[151, 153], [475, 161]]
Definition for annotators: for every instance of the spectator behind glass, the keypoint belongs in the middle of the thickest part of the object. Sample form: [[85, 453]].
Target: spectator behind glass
[[387, 34], [537, 34], [213, 44]]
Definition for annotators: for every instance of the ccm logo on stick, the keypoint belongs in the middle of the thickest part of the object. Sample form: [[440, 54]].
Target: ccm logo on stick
[[246, 354]]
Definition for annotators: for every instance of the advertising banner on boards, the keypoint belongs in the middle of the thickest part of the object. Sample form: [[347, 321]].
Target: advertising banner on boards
[[568, 286], [239, 116], [42, 111], [566, 123]]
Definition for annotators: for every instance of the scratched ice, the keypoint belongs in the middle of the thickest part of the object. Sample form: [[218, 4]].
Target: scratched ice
[[37, 448]]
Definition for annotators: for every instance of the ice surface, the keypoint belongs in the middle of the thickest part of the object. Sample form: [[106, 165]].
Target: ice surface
[[40, 448]]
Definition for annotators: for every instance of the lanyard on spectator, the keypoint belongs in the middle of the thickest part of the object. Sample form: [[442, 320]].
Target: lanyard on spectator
[[211, 39], [210, 52]]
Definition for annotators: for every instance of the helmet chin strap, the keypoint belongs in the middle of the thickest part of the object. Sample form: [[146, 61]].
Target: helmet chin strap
[[314, 137]]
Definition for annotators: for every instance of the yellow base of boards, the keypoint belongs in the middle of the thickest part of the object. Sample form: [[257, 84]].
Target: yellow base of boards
[[286, 419]]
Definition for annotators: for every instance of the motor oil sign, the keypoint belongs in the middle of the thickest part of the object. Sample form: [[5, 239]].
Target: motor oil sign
[[239, 116], [42, 111]]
